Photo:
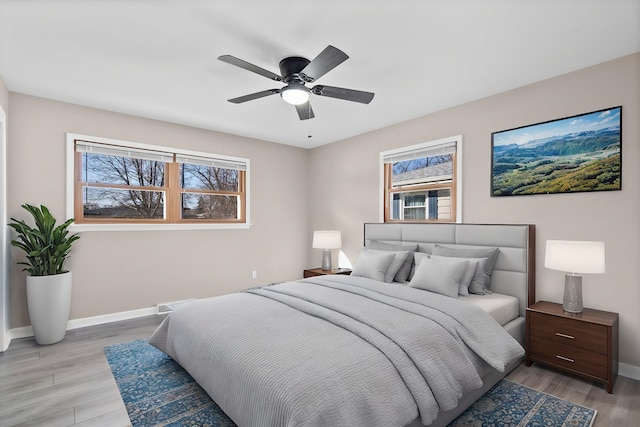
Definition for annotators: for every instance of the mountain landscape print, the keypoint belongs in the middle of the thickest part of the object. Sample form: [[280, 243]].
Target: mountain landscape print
[[574, 154]]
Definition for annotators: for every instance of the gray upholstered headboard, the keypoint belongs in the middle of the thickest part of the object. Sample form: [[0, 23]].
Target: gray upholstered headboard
[[514, 272]]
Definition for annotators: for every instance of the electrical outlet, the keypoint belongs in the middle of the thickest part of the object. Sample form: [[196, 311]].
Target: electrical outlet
[[254, 274]]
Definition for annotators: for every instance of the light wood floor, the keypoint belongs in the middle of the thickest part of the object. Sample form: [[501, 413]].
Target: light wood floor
[[70, 383]]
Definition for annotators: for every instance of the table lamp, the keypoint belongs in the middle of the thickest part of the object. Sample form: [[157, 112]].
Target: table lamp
[[327, 240], [574, 258]]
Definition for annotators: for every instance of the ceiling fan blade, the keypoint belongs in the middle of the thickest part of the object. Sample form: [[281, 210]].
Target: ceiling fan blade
[[341, 93], [253, 96], [304, 111], [326, 61], [249, 67]]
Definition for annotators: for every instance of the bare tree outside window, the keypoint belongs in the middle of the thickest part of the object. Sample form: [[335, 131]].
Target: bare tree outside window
[[420, 163], [120, 193], [209, 206]]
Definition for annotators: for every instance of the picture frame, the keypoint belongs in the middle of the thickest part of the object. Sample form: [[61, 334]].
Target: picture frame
[[580, 153]]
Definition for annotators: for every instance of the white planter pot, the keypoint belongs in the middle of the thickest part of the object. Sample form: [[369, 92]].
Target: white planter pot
[[49, 301]]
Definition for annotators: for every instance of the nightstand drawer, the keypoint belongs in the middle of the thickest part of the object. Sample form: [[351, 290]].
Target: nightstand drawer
[[568, 357], [570, 332]]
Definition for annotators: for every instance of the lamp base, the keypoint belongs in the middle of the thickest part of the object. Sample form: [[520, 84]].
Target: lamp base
[[572, 299], [326, 260]]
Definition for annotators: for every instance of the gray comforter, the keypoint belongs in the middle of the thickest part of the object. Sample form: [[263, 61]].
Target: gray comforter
[[334, 351]]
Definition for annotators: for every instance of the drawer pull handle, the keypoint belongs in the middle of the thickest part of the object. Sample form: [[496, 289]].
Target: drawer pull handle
[[566, 359], [564, 335]]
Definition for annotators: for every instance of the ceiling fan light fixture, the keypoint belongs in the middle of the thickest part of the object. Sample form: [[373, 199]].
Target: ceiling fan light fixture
[[295, 94]]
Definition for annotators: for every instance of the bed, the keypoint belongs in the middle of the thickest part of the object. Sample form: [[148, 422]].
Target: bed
[[367, 349]]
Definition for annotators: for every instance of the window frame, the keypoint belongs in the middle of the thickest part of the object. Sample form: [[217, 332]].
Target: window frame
[[455, 187], [172, 220]]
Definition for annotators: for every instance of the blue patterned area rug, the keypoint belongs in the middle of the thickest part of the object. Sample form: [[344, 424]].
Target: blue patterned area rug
[[158, 392], [512, 404]]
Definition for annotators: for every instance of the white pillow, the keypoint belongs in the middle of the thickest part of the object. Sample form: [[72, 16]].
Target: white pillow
[[473, 277], [443, 277], [373, 265], [399, 258]]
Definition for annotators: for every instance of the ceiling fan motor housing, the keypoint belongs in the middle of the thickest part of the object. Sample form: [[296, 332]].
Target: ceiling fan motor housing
[[290, 68]]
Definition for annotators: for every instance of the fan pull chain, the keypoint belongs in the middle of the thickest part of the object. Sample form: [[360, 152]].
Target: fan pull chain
[[309, 121]]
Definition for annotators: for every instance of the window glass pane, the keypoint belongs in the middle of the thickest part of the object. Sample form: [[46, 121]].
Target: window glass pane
[[119, 203], [415, 200], [122, 170], [420, 205], [414, 206], [209, 206], [423, 170], [396, 206], [200, 177], [414, 214]]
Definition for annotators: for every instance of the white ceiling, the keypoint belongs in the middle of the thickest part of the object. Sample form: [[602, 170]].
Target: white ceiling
[[157, 58]]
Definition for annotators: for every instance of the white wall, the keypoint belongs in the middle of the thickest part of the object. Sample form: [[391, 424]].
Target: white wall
[[346, 173]]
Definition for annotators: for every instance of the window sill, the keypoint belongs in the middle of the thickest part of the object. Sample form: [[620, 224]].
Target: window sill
[[80, 228]]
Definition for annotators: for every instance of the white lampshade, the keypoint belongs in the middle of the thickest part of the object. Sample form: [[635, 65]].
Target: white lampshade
[[295, 94], [327, 239], [575, 256]]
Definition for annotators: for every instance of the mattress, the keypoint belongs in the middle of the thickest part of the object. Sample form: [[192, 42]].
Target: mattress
[[503, 308]]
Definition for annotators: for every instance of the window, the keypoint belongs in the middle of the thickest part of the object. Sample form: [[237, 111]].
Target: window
[[136, 186], [211, 188], [422, 183]]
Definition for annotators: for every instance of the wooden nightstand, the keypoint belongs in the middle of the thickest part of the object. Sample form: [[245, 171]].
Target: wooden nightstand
[[311, 272], [585, 344]]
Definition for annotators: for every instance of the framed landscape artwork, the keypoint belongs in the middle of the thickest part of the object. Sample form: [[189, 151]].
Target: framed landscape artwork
[[573, 154]]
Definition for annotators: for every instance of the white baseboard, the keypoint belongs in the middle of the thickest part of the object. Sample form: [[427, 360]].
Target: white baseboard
[[27, 331], [629, 371], [6, 338], [112, 317], [23, 332]]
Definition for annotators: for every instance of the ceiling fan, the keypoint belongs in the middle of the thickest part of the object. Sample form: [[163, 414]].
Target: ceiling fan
[[296, 72]]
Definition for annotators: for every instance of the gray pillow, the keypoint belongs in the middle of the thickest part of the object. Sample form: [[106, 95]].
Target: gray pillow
[[372, 265], [399, 258], [490, 253], [405, 270], [474, 277], [443, 277], [417, 258]]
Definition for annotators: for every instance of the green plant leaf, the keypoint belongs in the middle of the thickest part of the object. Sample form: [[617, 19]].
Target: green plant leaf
[[46, 246]]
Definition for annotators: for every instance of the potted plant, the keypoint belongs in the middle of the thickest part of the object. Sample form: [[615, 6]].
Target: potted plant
[[47, 247]]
